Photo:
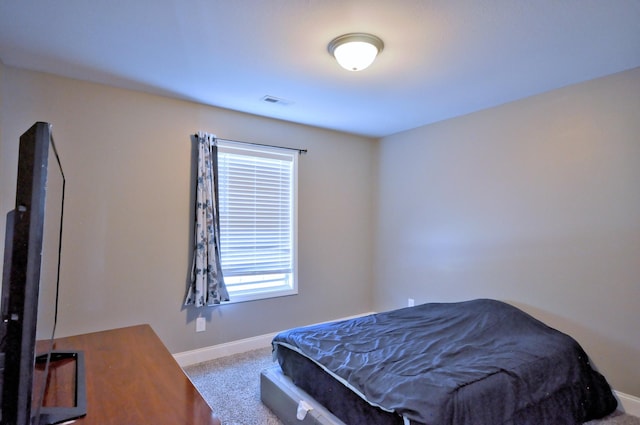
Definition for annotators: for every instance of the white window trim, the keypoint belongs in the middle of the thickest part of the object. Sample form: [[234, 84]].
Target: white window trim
[[243, 148]]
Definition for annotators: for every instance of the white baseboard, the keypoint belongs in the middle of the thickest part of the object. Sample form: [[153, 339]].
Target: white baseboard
[[213, 352], [628, 403], [200, 355]]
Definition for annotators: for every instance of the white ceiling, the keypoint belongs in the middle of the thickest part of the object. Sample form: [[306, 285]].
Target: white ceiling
[[442, 58]]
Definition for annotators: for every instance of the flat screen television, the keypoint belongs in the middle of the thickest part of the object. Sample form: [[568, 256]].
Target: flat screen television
[[30, 287]]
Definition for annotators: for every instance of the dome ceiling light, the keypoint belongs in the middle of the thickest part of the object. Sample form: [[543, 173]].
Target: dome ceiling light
[[355, 51]]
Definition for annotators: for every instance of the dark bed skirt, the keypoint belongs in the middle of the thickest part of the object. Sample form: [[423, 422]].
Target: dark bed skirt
[[283, 398], [350, 408], [475, 362], [335, 396]]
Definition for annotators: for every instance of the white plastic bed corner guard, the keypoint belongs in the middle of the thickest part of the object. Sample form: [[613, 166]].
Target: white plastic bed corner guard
[[213, 352], [303, 408], [628, 403]]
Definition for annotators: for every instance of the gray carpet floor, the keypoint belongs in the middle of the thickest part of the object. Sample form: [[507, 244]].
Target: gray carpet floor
[[231, 386]]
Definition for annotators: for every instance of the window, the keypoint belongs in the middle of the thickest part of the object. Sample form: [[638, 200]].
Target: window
[[258, 211]]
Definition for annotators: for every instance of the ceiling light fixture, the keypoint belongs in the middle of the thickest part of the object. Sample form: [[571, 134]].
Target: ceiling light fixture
[[355, 51]]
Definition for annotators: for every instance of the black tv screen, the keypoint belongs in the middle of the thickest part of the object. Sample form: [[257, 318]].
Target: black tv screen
[[30, 287]]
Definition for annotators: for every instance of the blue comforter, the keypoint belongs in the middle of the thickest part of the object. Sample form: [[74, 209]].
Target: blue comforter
[[474, 362]]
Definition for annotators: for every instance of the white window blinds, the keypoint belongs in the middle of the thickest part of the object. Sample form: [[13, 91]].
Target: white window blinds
[[256, 196]]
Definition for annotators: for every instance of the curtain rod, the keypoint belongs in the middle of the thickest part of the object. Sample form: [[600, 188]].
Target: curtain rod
[[300, 151]]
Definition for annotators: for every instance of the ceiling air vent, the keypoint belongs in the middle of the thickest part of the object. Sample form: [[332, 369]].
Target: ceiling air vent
[[276, 100]]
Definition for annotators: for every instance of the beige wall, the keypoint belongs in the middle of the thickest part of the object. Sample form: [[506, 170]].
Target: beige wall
[[126, 244], [536, 203]]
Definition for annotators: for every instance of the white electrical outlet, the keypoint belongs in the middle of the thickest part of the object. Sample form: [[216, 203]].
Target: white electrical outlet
[[201, 324], [411, 302]]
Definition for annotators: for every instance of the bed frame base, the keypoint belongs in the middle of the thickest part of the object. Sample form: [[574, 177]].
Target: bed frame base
[[286, 400]]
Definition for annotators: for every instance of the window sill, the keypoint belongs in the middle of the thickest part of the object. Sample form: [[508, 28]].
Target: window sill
[[244, 297]]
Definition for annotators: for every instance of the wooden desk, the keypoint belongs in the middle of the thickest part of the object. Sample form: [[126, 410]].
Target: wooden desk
[[132, 379]]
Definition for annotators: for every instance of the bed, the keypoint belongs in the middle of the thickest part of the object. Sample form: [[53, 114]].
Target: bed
[[473, 362]]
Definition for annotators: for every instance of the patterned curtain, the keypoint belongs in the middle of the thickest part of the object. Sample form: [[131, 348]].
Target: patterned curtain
[[207, 283]]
